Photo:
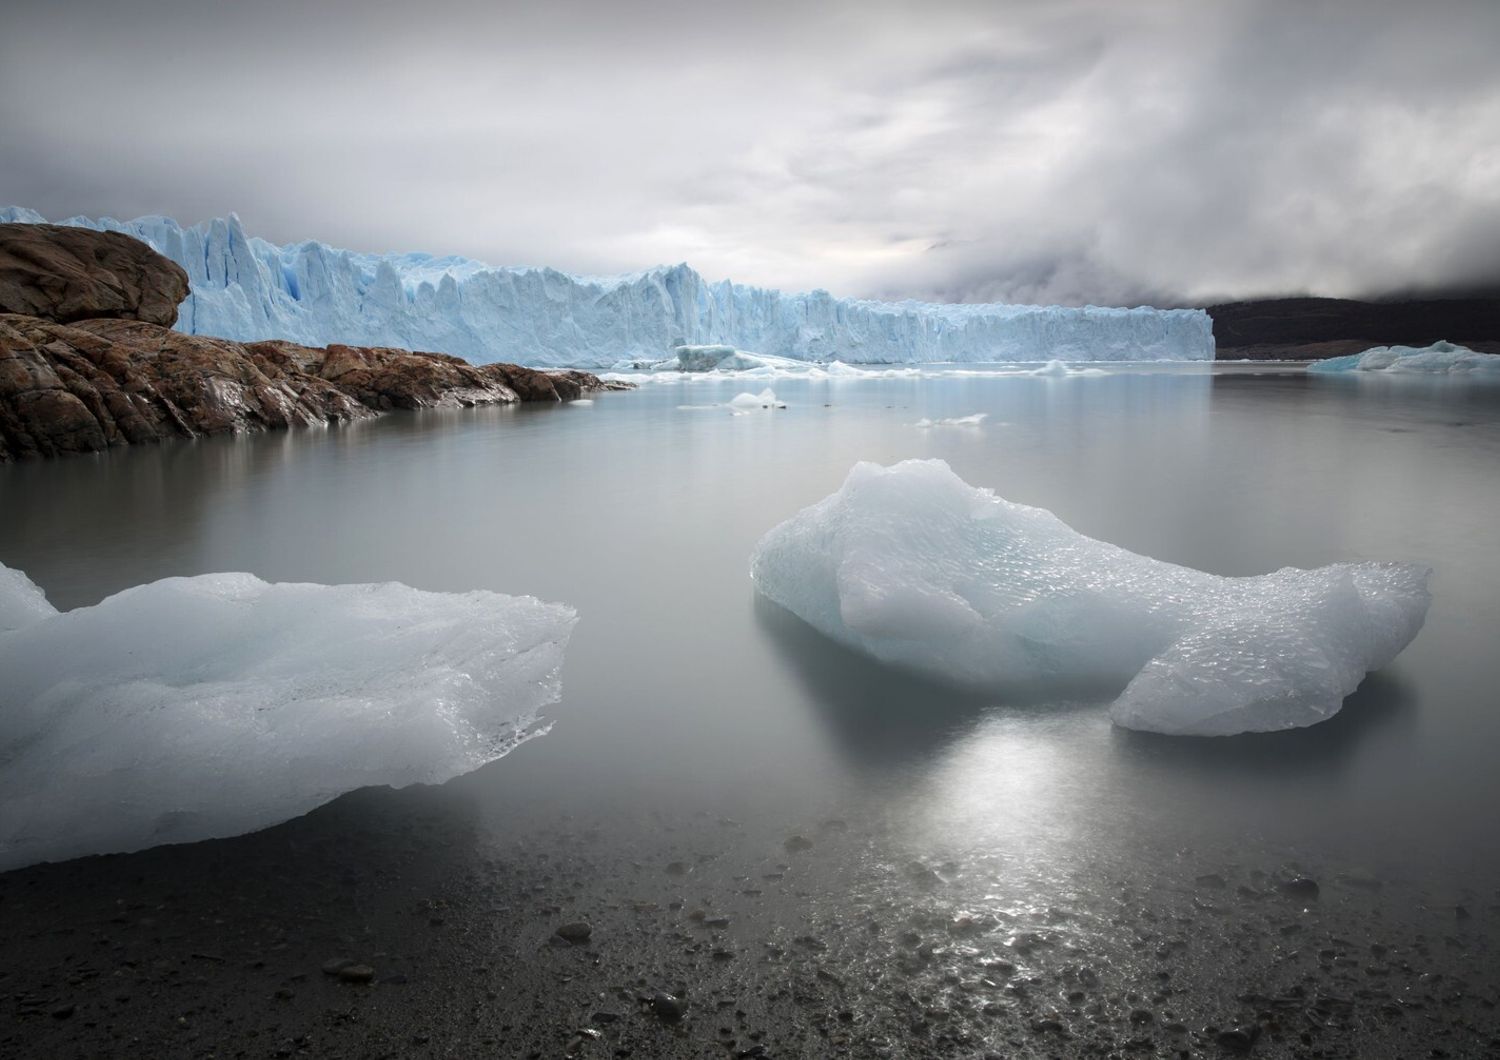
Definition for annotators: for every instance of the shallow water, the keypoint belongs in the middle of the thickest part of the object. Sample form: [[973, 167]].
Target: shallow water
[[641, 510]]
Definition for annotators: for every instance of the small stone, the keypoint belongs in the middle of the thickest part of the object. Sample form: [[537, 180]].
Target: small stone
[[668, 1008], [604, 1017], [797, 843], [335, 966], [677, 868], [356, 973], [577, 932], [1211, 879], [1300, 887], [62, 1012], [1240, 1039], [1142, 1015]]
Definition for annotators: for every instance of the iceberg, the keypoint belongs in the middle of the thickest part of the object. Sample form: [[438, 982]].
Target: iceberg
[[746, 402], [914, 567], [248, 289], [209, 706], [1441, 358]]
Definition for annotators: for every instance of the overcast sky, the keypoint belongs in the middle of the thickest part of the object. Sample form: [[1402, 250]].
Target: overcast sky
[[1067, 151]]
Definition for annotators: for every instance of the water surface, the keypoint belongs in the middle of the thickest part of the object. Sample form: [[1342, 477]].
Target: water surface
[[641, 510]]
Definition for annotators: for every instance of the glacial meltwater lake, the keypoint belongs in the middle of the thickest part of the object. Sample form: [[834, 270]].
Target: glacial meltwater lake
[[685, 699]]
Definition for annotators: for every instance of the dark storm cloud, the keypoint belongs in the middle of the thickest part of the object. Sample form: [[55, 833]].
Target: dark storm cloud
[[1074, 150]]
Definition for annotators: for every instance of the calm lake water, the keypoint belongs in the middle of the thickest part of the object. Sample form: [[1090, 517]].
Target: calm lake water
[[679, 687]]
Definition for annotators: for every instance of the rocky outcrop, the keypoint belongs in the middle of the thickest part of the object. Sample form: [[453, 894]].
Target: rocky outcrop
[[92, 384], [65, 274]]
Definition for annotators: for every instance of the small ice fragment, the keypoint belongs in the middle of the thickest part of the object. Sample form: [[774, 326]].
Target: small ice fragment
[[746, 402], [953, 421]]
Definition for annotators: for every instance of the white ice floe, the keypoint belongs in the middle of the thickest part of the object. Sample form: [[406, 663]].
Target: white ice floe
[[1056, 369], [1441, 358], [245, 288], [973, 420], [744, 403], [216, 705], [913, 566]]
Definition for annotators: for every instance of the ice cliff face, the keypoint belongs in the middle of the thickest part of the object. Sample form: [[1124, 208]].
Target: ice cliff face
[[248, 289]]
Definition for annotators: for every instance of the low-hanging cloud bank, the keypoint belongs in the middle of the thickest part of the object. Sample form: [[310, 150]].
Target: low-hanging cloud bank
[[1071, 151]]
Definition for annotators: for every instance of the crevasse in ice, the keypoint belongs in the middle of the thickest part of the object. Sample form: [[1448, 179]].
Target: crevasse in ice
[[911, 565], [219, 704]]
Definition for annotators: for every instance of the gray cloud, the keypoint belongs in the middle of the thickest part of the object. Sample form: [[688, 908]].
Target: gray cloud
[[1072, 151]]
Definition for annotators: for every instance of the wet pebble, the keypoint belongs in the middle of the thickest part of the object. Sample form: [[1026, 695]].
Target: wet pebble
[[577, 932], [1299, 887], [668, 1007]]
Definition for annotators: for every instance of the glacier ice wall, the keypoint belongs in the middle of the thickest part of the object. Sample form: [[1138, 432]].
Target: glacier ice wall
[[915, 567], [246, 288], [215, 705]]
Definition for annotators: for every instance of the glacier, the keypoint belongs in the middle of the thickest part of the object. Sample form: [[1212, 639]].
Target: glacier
[[215, 705], [913, 566], [1441, 358], [246, 288]]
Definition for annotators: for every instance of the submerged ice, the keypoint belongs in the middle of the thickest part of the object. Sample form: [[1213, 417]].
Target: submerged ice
[[246, 288], [215, 705], [913, 566]]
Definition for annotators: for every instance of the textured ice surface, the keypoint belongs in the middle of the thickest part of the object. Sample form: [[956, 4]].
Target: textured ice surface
[[246, 288], [21, 601], [216, 705], [915, 567], [1441, 358]]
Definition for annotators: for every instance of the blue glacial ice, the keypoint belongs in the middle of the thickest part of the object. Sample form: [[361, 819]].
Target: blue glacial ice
[[246, 288], [913, 566], [1441, 358], [219, 704]]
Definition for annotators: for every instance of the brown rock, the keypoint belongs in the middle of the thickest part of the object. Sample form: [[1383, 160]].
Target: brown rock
[[64, 274], [101, 383]]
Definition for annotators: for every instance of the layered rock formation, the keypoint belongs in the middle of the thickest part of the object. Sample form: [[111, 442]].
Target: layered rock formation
[[66, 274], [94, 374]]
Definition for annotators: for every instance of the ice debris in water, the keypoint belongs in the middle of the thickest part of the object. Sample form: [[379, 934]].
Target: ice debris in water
[[219, 704], [766, 399], [1441, 358], [915, 567], [953, 421]]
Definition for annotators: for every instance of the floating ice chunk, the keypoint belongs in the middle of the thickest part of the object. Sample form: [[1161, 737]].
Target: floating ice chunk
[[744, 403], [953, 421], [915, 567], [1056, 369], [21, 601], [1441, 358], [701, 358], [216, 705]]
